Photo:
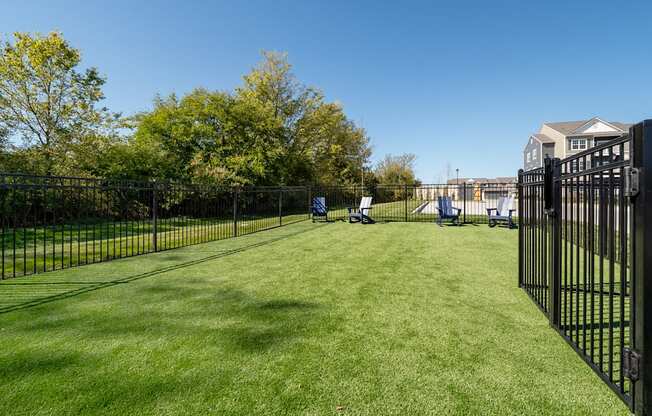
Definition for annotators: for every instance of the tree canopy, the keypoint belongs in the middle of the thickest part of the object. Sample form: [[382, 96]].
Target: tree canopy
[[45, 100], [271, 130], [396, 169]]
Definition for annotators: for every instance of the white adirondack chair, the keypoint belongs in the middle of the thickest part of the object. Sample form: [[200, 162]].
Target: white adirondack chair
[[361, 214], [503, 212]]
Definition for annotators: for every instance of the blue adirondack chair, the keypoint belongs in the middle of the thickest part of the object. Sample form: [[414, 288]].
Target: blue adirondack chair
[[361, 214], [319, 209], [447, 211], [503, 212]]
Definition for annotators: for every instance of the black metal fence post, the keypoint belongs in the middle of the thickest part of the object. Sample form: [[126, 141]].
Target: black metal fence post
[[641, 194], [555, 269], [464, 203], [552, 196], [309, 201], [520, 227], [280, 209], [406, 202], [3, 220], [235, 212], [154, 216]]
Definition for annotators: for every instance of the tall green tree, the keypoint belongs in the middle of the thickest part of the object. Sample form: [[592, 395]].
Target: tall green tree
[[208, 137], [4, 149], [272, 130], [338, 149], [45, 100], [396, 169], [319, 143], [4, 140]]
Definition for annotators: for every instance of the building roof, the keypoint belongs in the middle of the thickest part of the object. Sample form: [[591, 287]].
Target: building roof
[[622, 126], [500, 179], [506, 179], [568, 127], [543, 138]]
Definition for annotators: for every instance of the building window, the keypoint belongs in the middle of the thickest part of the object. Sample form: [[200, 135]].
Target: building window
[[578, 144], [528, 157], [534, 154]]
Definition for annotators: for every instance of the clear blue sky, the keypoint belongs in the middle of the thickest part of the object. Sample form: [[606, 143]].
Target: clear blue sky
[[454, 82]]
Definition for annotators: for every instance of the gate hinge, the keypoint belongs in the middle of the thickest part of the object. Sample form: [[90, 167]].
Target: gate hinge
[[631, 181], [631, 363]]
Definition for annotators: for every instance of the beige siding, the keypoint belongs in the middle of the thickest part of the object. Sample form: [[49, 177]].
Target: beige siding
[[560, 140]]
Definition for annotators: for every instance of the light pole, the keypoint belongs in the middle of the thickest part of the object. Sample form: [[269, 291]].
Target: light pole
[[457, 173]]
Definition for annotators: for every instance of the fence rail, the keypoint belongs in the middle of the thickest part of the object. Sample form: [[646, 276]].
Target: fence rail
[[585, 250]]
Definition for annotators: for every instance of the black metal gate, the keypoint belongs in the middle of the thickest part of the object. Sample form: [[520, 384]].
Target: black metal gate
[[585, 241], [533, 238]]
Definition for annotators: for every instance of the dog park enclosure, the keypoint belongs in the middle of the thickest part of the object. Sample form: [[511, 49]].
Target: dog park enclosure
[[585, 227]]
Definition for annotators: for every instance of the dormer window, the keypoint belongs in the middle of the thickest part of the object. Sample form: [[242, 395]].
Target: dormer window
[[577, 143]]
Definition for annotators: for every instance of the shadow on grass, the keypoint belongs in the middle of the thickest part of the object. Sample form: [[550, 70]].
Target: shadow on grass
[[37, 364], [260, 324], [210, 340], [26, 299], [229, 319]]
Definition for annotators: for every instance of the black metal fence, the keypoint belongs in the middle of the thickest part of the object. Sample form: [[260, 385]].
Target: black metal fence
[[51, 223], [418, 203], [585, 240]]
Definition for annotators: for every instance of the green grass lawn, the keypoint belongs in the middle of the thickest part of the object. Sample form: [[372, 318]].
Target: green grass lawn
[[308, 319]]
